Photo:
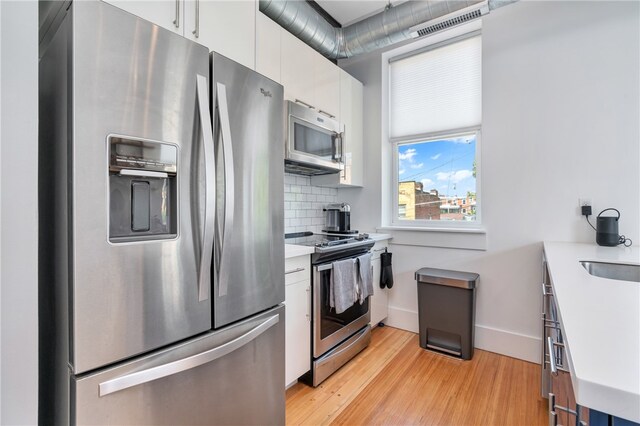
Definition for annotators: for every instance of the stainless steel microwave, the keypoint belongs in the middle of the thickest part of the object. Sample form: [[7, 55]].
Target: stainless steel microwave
[[314, 143]]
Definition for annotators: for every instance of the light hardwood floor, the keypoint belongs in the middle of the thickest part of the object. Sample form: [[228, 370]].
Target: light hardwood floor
[[396, 382]]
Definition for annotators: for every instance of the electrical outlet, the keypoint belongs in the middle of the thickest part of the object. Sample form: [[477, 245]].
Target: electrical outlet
[[582, 202]]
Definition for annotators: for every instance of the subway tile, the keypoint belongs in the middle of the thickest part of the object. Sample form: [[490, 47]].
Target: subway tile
[[302, 181]]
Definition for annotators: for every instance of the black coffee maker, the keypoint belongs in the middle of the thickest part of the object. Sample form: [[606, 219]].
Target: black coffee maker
[[338, 219]]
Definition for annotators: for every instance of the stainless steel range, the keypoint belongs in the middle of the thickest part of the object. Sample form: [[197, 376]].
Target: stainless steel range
[[336, 338]]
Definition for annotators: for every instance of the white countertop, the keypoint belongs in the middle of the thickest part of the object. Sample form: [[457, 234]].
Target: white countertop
[[601, 322], [293, 250], [379, 237]]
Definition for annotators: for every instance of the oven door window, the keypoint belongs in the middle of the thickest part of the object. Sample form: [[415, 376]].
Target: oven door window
[[314, 141], [330, 322]]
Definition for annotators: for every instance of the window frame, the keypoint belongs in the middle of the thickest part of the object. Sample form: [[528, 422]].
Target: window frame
[[389, 197], [436, 224]]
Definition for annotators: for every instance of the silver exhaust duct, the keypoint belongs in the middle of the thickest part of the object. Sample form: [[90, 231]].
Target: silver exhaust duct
[[383, 29]]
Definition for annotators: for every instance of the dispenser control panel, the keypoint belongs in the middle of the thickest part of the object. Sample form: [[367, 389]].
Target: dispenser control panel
[[142, 155], [142, 189]]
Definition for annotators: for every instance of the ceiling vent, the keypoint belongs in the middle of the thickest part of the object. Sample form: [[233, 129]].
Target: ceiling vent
[[451, 20]]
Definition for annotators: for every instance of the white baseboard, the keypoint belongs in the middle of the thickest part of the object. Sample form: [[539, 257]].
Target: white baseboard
[[491, 339], [402, 319]]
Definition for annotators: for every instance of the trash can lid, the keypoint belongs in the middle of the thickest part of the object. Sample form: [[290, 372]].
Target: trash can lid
[[446, 277]]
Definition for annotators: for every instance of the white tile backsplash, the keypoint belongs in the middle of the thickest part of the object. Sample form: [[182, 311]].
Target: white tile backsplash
[[303, 204]]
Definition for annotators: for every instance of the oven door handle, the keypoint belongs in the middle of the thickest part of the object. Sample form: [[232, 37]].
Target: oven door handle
[[324, 267]]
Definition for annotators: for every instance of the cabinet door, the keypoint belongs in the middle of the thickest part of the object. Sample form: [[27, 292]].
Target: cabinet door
[[379, 302], [297, 70], [268, 47], [168, 14], [297, 330], [226, 27], [351, 104], [327, 86]]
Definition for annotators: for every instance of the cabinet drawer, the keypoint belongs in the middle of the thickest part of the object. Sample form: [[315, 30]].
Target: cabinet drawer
[[296, 269]]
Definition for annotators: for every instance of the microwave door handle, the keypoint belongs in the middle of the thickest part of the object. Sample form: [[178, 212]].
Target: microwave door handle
[[229, 184], [342, 159], [334, 142], [204, 273], [338, 139]]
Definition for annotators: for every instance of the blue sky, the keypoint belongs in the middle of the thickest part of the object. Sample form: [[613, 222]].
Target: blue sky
[[445, 165]]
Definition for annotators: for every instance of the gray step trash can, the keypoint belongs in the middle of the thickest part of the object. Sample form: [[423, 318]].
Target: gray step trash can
[[446, 310]]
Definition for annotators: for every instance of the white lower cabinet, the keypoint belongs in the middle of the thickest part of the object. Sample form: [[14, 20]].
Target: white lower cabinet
[[379, 302], [298, 318]]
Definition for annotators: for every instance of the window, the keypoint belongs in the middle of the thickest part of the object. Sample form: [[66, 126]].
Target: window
[[434, 126], [437, 179]]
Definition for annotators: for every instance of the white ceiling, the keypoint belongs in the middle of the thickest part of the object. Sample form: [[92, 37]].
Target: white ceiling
[[347, 12]]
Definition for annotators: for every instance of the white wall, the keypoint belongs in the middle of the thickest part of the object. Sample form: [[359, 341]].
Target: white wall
[[18, 212], [561, 120]]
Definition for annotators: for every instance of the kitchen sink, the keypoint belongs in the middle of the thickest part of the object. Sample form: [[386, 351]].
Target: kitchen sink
[[614, 271]]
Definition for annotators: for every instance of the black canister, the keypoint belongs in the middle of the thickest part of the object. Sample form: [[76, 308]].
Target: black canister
[[607, 229]]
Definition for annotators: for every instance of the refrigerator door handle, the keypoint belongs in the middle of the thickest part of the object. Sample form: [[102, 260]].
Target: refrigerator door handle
[[229, 207], [169, 369], [204, 273]]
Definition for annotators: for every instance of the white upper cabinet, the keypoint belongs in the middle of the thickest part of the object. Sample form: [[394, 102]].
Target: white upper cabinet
[[268, 48], [308, 77], [351, 119], [168, 14], [298, 71], [226, 27], [327, 86]]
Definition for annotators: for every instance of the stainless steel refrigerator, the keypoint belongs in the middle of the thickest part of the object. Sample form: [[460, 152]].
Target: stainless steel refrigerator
[[161, 255]]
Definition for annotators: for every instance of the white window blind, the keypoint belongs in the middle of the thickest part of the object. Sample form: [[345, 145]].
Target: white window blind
[[436, 90]]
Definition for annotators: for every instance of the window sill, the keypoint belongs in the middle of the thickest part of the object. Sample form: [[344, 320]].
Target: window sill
[[465, 230], [450, 238]]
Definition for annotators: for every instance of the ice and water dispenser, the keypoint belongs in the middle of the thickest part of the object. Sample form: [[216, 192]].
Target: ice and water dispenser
[[142, 189]]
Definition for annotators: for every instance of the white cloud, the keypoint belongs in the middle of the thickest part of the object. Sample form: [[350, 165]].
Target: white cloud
[[426, 182], [408, 154], [455, 177], [435, 157], [417, 166], [401, 171]]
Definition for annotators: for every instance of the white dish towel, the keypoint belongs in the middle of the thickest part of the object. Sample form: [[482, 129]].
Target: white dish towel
[[365, 275], [342, 287]]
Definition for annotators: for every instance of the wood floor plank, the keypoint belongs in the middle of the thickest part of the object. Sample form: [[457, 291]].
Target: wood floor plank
[[306, 405], [394, 381]]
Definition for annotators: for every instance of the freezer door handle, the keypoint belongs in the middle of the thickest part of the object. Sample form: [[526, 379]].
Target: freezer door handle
[[204, 273], [175, 367], [229, 185]]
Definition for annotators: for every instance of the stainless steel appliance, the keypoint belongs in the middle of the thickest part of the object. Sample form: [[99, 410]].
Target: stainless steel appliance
[[314, 142], [338, 218], [161, 252], [336, 338]]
